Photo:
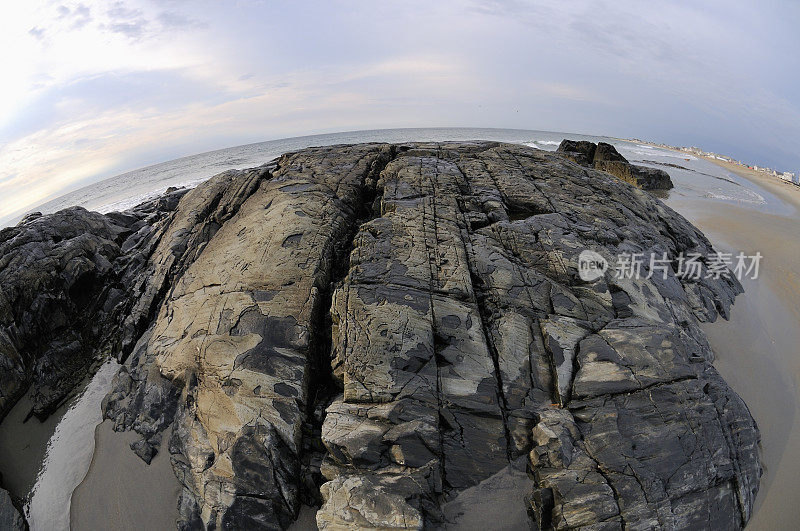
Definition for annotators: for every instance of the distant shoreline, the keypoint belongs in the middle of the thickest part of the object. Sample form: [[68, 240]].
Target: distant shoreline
[[746, 172], [784, 190]]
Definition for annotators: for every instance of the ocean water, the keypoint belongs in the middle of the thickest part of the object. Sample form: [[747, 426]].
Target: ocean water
[[693, 177]]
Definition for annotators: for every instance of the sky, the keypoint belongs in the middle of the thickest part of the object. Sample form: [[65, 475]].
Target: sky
[[91, 89]]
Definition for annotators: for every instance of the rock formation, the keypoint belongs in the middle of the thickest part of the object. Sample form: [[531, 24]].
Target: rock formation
[[605, 157], [372, 329]]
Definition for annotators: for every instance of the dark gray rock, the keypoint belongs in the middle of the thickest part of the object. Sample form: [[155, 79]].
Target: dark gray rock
[[504, 299], [607, 153], [378, 328], [63, 289], [605, 157], [652, 178], [580, 151]]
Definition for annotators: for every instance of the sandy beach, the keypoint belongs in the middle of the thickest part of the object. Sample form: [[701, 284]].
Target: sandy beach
[[23, 446], [757, 350], [120, 490]]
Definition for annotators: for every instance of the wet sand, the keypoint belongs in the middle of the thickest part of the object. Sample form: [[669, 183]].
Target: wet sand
[[45, 461], [23, 446], [72, 470], [496, 503], [758, 350], [121, 492], [306, 520]]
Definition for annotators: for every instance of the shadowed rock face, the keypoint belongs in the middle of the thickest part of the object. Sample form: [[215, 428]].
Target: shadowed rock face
[[64, 294], [376, 328]]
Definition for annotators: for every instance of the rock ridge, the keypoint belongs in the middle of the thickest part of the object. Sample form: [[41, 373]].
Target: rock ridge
[[372, 329]]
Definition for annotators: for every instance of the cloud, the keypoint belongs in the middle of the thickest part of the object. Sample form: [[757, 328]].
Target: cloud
[[126, 21], [36, 32], [82, 16], [118, 11], [134, 20], [101, 125], [527, 12], [565, 91], [77, 16], [173, 20], [134, 30]]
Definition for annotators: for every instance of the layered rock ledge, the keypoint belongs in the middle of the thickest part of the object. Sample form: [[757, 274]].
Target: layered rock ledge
[[372, 329]]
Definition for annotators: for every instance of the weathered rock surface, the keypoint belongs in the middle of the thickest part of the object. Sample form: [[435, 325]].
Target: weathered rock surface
[[605, 157], [374, 329]]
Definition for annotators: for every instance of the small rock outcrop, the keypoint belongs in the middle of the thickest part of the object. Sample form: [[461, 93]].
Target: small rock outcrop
[[605, 157], [373, 329]]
